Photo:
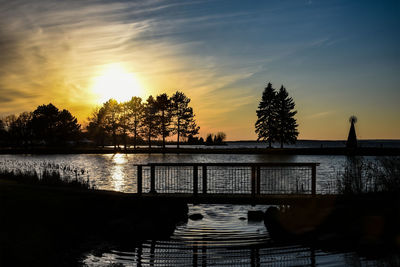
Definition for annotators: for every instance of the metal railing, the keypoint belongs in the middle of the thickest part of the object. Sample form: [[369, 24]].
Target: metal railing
[[227, 178]]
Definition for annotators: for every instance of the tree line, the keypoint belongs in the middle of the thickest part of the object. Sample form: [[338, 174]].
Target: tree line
[[137, 122], [158, 117], [275, 117], [46, 125], [133, 121]]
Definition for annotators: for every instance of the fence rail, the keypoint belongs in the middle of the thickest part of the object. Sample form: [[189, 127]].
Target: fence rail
[[227, 178]]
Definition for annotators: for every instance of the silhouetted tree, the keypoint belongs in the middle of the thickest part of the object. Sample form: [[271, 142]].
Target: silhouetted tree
[[182, 116], [163, 104], [96, 126], [286, 123], [11, 137], [20, 129], [135, 111], [150, 119], [67, 126], [54, 126], [112, 119], [3, 132], [124, 124], [266, 124], [209, 139], [219, 138], [352, 138]]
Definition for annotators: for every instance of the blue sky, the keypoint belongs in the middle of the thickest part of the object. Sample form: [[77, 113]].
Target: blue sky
[[336, 58]]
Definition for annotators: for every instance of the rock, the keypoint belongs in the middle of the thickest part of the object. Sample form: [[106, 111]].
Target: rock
[[195, 216], [255, 215], [242, 218]]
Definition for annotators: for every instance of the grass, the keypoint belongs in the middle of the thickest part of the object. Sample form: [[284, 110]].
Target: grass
[[47, 177], [363, 176]]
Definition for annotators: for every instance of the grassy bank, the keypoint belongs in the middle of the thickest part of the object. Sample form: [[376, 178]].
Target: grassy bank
[[43, 225]]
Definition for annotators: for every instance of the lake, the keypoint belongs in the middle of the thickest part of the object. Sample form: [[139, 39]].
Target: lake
[[224, 237]]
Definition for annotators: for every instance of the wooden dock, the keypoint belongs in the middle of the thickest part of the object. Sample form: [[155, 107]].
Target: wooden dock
[[238, 199]]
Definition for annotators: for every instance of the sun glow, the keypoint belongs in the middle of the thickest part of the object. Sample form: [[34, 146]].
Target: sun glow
[[115, 82]]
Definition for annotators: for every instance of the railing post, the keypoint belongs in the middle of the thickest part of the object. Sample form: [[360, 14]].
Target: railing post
[[152, 179], [195, 179], [139, 179], [314, 180], [253, 181], [204, 179], [258, 186]]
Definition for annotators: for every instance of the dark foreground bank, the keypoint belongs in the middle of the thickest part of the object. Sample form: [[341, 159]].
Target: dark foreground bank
[[368, 224], [52, 226]]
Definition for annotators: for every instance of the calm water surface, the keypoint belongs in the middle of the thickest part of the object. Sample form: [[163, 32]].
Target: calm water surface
[[117, 171], [224, 237]]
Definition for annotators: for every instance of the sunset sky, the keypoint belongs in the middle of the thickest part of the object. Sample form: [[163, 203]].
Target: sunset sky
[[336, 58]]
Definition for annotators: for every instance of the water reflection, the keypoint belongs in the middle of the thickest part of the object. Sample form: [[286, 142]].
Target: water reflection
[[118, 173], [169, 253]]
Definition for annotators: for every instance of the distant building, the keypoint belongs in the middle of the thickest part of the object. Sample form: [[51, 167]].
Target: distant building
[[352, 138]]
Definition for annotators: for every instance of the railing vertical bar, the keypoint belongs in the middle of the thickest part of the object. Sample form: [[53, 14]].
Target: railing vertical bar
[[152, 179], [314, 180], [253, 181], [204, 179], [195, 179], [139, 181], [258, 180]]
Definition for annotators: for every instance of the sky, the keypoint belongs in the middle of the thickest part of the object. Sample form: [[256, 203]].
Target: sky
[[336, 59]]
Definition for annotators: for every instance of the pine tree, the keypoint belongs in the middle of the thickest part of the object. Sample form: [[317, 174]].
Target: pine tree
[[112, 113], [183, 116], [267, 116], [150, 119], [163, 104], [286, 123], [135, 111]]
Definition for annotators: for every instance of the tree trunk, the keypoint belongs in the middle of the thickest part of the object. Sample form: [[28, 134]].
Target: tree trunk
[[149, 140], [134, 139], [125, 143], [163, 130], [178, 132]]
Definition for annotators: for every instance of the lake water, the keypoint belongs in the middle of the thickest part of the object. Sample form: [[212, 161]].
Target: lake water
[[224, 237]]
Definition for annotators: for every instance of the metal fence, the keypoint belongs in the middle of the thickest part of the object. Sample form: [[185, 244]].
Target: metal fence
[[227, 178]]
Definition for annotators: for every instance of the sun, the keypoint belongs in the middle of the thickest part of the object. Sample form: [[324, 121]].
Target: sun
[[117, 83]]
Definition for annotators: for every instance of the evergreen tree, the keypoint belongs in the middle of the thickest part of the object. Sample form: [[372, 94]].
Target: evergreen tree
[[163, 104], [135, 109], [183, 116], [150, 119], [209, 139], [285, 122], [124, 119], [266, 128], [112, 111]]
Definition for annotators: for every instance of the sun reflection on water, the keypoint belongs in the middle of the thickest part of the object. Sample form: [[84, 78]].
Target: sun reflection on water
[[118, 174]]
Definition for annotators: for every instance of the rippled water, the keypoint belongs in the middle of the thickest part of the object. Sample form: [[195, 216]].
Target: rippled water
[[224, 237]]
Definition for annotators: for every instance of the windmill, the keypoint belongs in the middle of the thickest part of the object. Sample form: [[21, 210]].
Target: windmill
[[352, 138]]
